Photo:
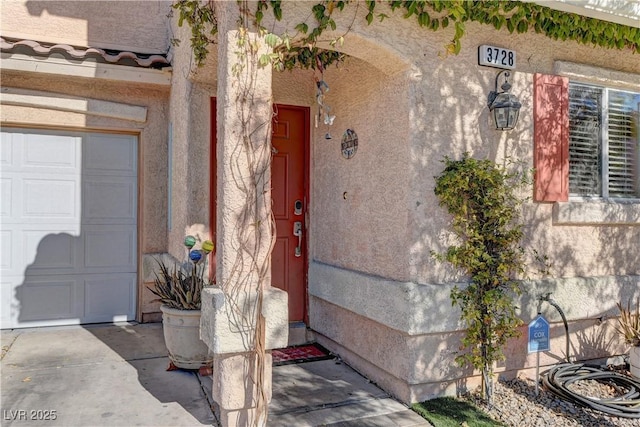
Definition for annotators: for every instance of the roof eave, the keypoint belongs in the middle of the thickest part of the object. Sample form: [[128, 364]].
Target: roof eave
[[625, 12]]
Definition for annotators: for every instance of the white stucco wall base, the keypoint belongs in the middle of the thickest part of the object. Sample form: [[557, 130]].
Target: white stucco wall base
[[405, 336], [426, 308], [417, 368]]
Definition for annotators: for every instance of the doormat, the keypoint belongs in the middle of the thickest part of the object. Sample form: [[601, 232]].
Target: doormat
[[300, 354]]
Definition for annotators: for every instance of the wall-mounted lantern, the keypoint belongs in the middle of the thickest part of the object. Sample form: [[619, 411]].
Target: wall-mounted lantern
[[504, 106]]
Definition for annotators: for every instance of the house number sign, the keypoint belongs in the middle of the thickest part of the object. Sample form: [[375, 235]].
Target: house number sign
[[498, 57]]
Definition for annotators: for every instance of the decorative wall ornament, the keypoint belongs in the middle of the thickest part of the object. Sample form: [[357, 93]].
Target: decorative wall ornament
[[349, 143], [324, 111]]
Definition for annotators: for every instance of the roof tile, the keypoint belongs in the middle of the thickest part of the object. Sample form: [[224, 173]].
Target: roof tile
[[111, 56]]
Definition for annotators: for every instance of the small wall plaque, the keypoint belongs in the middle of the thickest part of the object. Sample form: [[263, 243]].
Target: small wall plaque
[[349, 143]]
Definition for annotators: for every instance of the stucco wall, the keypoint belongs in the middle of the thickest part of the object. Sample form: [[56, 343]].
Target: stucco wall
[[575, 250], [360, 203], [189, 120], [138, 26], [447, 115], [440, 104], [442, 101]]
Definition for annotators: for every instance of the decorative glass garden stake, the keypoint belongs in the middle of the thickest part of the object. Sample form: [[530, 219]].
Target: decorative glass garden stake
[[195, 256], [207, 246], [189, 241]]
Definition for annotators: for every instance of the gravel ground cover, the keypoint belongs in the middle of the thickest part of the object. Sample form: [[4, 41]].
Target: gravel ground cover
[[515, 404]]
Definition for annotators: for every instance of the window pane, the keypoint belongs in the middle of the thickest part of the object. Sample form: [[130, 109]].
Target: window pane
[[623, 144], [585, 160]]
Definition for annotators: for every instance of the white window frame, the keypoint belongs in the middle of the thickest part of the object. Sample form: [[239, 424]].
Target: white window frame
[[583, 211], [604, 136]]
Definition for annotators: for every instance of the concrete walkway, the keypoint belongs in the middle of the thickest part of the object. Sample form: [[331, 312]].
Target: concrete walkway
[[115, 375]]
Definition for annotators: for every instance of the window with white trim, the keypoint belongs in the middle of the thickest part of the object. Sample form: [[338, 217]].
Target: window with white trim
[[604, 143]]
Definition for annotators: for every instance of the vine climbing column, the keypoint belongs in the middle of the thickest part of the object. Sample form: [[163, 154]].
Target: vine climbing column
[[243, 317]]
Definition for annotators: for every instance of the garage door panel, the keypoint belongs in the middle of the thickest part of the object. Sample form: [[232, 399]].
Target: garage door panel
[[7, 286], [6, 195], [6, 256], [44, 298], [109, 200], [109, 249], [47, 197], [40, 249], [47, 152], [110, 155], [51, 251], [6, 150], [27, 151], [109, 298]]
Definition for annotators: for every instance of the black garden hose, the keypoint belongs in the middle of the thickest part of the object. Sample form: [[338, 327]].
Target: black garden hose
[[562, 375], [627, 405], [547, 298]]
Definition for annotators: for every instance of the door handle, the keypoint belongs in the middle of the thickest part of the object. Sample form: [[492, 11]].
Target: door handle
[[297, 231]]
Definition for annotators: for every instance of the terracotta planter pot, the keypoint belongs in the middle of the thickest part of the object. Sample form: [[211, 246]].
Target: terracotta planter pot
[[634, 361], [182, 338]]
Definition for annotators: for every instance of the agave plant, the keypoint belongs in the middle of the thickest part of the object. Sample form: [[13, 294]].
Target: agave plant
[[178, 288], [181, 287], [629, 323]]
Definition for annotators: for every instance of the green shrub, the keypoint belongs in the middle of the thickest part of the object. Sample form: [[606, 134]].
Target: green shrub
[[481, 197]]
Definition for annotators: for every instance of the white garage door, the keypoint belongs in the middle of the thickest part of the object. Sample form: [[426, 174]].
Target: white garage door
[[68, 227]]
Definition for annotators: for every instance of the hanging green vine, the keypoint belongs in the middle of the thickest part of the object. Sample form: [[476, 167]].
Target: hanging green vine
[[299, 49], [201, 19]]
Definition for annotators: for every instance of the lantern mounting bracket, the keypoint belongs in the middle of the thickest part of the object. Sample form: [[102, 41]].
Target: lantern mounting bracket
[[506, 86]]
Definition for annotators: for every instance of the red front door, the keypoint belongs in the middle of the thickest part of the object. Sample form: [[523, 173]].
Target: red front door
[[289, 192]]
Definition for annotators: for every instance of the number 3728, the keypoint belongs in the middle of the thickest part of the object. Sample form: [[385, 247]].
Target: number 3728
[[496, 57]]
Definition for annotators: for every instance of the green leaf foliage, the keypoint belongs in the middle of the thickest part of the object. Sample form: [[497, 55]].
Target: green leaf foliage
[[485, 217], [435, 15], [201, 19]]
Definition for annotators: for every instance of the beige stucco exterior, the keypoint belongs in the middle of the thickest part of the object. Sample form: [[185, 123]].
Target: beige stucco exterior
[[373, 266], [376, 295], [138, 26]]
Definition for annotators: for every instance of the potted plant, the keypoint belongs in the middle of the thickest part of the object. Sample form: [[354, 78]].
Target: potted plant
[[629, 328], [179, 289]]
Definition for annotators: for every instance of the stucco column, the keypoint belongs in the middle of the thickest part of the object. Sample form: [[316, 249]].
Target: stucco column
[[243, 317]]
